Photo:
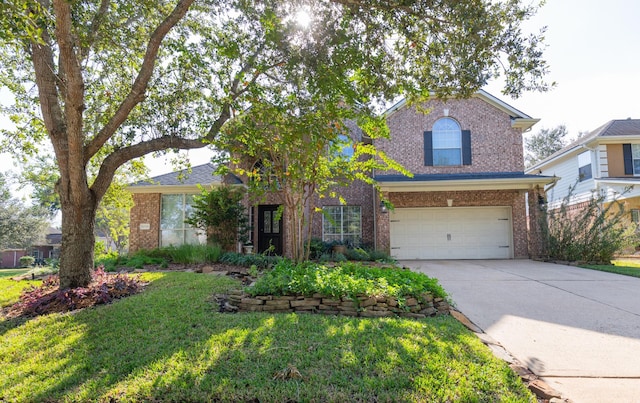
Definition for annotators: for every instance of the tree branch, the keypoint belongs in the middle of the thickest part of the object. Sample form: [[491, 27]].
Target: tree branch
[[137, 93], [122, 155], [73, 84], [95, 27]]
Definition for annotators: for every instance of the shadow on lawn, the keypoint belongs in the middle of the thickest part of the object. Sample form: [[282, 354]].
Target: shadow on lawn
[[168, 345]]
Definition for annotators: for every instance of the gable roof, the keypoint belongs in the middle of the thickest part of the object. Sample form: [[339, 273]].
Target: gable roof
[[614, 131], [518, 118], [180, 181]]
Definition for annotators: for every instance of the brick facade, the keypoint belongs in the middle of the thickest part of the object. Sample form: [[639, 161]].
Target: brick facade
[[145, 210], [495, 145]]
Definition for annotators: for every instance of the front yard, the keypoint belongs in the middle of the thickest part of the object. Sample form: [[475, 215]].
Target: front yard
[[169, 343]]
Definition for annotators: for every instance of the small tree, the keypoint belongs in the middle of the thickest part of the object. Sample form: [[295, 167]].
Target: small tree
[[590, 231], [299, 144], [220, 214]]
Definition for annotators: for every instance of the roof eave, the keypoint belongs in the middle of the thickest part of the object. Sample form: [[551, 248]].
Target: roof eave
[[171, 189], [524, 124], [466, 184]]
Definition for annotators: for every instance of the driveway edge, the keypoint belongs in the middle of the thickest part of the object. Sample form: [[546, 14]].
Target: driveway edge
[[540, 388]]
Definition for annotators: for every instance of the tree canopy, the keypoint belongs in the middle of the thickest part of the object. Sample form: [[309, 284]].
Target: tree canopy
[[109, 81], [20, 225], [544, 143]]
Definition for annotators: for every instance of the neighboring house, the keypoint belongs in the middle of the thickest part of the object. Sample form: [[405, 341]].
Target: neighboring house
[[11, 257], [466, 199], [605, 161], [49, 248]]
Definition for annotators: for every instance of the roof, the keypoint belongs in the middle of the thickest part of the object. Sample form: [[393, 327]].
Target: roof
[[518, 118], [183, 179], [465, 181], [612, 131]]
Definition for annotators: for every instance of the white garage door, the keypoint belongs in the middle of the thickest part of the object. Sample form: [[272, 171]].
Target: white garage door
[[451, 233]]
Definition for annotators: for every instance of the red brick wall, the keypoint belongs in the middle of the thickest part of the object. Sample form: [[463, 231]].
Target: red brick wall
[[507, 198], [356, 194], [495, 145], [145, 210]]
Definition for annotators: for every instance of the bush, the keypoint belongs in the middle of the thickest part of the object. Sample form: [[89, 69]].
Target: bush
[[346, 279], [357, 254], [260, 261], [592, 233], [26, 261], [190, 254], [317, 248]]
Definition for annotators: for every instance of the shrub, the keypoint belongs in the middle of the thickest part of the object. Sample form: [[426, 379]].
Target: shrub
[[190, 253], [347, 279], [339, 257], [221, 215], [317, 248], [357, 254], [26, 261], [594, 232], [260, 261], [380, 256]]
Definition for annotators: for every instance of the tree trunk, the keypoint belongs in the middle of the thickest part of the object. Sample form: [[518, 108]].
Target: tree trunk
[[78, 240]]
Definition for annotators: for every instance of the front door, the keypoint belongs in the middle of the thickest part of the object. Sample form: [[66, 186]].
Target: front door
[[269, 230]]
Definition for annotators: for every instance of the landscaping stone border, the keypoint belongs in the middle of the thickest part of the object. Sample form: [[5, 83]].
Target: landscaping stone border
[[365, 306]]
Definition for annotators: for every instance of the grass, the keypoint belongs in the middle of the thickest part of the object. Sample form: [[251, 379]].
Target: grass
[[170, 344], [9, 289], [625, 267]]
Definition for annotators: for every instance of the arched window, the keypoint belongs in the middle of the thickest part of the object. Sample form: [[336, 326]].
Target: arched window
[[447, 142]]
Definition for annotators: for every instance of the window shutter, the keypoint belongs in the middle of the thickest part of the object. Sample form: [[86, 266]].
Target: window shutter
[[428, 149], [466, 147], [628, 159]]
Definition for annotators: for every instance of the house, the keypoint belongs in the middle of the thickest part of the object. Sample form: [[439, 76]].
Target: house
[[48, 248], [466, 199], [605, 162]]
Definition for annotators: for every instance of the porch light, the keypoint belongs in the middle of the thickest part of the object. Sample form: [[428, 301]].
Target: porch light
[[383, 207]]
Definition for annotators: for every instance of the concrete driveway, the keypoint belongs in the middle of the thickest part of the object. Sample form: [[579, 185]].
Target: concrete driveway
[[578, 329]]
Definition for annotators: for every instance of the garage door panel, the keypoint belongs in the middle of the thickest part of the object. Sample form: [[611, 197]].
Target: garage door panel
[[451, 233]]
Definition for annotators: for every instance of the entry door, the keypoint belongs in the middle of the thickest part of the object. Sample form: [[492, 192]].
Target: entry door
[[269, 229]]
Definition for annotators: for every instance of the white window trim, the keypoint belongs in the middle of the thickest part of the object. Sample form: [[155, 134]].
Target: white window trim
[[434, 148], [185, 227], [341, 222]]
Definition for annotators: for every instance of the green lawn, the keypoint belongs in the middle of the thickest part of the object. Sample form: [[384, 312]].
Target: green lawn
[[170, 344], [626, 267], [10, 290]]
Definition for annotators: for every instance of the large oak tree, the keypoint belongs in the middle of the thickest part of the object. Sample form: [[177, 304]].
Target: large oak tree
[[108, 81]]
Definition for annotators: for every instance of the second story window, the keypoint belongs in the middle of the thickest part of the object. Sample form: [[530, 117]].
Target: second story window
[[584, 166], [631, 157], [447, 144]]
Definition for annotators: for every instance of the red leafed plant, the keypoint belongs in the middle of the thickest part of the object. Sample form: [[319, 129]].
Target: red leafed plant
[[49, 298]]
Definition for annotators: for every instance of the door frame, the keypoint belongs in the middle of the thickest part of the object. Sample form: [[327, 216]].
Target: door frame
[[266, 239]]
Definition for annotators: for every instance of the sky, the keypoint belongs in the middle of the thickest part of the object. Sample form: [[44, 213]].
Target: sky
[[593, 49]]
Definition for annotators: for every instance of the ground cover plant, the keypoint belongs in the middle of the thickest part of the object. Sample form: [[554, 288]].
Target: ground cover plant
[[48, 297], [623, 267], [169, 344], [344, 279]]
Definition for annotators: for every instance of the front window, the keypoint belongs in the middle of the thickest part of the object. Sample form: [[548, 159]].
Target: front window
[[447, 142], [635, 216], [174, 231], [635, 151], [584, 166], [342, 223]]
